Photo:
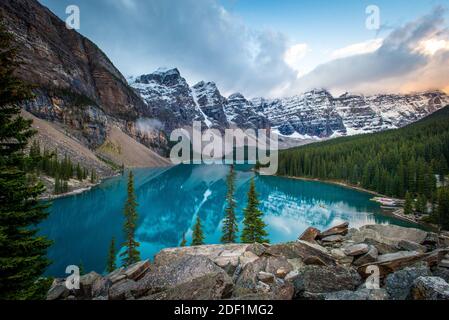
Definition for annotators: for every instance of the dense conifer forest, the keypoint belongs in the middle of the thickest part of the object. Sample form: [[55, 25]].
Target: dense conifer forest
[[391, 162], [410, 162], [62, 170]]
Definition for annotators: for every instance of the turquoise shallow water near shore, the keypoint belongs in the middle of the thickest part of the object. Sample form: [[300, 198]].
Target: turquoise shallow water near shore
[[169, 200]]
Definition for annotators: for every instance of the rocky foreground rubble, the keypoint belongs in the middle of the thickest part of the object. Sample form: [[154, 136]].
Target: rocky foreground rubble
[[330, 265]]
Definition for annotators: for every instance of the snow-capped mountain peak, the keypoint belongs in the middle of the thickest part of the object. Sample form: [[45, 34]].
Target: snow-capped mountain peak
[[314, 114]]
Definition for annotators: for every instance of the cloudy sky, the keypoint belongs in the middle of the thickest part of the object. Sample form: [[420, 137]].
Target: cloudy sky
[[276, 48]]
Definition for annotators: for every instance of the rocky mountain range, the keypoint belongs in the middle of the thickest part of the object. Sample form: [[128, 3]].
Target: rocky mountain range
[[318, 114], [170, 99], [78, 88], [315, 114]]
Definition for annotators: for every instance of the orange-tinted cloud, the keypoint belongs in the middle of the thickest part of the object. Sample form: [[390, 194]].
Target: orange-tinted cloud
[[412, 58]]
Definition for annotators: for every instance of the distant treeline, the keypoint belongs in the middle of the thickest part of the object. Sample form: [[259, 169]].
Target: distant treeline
[[62, 170], [392, 162]]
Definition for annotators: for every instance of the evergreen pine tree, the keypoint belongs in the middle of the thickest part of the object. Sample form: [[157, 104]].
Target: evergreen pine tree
[[254, 226], [408, 207], [131, 254], [34, 156], [57, 189], [79, 173], [93, 176], [198, 236], [230, 227], [183, 241], [421, 204], [22, 252], [65, 187], [111, 265]]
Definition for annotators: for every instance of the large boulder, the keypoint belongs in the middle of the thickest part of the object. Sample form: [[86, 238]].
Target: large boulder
[[264, 277], [389, 234], [430, 288], [314, 261], [341, 229], [86, 283], [383, 248], [411, 246], [398, 284], [433, 240], [312, 280], [222, 253], [100, 288], [301, 250], [442, 273], [278, 265], [117, 275], [137, 270], [58, 290], [123, 290], [389, 263], [248, 277], [178, 271], [213, 286], [246, 258], [369, 257], [361, 294], [310, 235], [391, 239], [336, 238], [341, 257], [356, 249]]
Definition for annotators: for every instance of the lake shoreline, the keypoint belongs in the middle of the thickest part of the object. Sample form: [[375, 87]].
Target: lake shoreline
[[389, 213], [79, 190], [88, 187], [338, 183]]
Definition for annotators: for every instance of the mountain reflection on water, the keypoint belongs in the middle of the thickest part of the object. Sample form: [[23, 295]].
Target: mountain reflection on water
[[83, 225]]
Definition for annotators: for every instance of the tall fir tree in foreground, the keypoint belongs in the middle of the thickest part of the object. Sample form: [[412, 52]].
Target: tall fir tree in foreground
[[198, 235], [111, 265], [230, 226], [131, 254], [254, 226], [22, 252]]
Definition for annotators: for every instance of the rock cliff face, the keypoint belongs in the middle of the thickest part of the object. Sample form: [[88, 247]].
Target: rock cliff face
[[54, 57], [169, 98], [328, 265], [76, 84], [211, 103], [311, 114]]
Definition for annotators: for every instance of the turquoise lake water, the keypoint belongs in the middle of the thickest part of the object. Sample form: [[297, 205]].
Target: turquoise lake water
[[169, 200]]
